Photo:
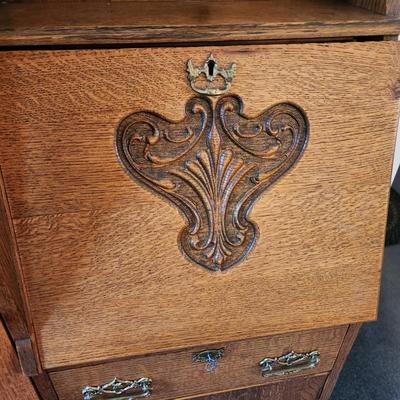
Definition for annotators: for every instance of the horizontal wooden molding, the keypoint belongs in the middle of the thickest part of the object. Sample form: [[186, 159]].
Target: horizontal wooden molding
[[130, 22]]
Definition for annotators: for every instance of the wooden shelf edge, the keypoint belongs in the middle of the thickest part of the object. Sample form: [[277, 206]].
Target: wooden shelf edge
[[179, 35], [96, 23]]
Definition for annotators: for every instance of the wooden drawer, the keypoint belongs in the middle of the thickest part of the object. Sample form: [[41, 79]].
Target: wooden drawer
[[175, 375], [105, 259], [308, 388]]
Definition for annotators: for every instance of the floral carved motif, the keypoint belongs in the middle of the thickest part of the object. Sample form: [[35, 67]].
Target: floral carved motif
[[213, 165]]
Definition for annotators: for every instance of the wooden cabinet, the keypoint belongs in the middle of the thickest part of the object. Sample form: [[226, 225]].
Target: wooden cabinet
[[175, 375], [159, 201]]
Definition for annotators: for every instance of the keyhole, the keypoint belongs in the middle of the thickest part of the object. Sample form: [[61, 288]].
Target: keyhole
[[211, 364], [211, 67]]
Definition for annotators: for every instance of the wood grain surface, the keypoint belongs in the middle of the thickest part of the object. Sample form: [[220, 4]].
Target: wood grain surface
[[12, 306], [13, 302], [103, 271], [174, 375], [112, 22], [351, 336], [44, 387], [13, 384], [215, 173], [294, 389], [385, 7]]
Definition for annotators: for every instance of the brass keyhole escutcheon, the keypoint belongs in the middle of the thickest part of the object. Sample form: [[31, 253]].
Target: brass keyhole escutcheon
[[209, 358]]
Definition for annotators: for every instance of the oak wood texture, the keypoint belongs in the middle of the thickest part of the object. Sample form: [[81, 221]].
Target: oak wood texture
[[113, 22], [13, 384], [386, 7], [26, 356], [294, 389], [174, 375], [13, 307], [104, 276], [44, 387], [11, 298], [213, 166], [348, 342]]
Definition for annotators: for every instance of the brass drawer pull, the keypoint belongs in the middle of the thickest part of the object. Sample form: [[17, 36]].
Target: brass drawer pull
[[290, 363], [119, 387]]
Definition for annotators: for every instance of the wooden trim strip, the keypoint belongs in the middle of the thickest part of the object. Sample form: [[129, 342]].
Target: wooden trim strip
[[344, 351], [104, 22], [44, 386], [13, 384], [26, 357], [13, 301]]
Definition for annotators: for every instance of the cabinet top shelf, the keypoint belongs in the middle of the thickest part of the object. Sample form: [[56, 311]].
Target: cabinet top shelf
[[171, 21]]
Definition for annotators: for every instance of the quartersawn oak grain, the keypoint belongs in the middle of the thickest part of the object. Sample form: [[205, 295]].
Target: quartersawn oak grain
[[293, 389], [113, 22], [100, 251], [175, 375], [13, 303]]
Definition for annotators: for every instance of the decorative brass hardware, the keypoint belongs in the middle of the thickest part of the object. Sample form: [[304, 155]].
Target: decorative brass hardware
[[210, 70], [119, 387], [209, 357], [290, 363]]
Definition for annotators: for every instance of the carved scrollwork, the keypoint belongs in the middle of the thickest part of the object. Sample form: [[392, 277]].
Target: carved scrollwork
[[213, 165]]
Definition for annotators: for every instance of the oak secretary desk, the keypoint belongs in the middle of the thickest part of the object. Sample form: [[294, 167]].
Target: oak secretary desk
[[193, 193]]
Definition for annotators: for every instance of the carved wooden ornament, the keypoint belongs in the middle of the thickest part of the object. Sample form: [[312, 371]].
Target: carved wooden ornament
[[213, 165]]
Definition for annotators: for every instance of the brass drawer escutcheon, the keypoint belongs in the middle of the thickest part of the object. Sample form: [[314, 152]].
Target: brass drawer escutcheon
[[209, 357], [120, 388], [290, 363]]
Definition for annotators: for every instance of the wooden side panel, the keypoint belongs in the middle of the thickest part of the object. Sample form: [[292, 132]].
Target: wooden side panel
[[12, 297], [13, 384], [11, 303], [348, 342], [174, 375], [385, 7], [293, 389], [99, 252]]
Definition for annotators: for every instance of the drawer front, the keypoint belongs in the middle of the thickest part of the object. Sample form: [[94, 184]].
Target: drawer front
[[176, 375], [110, 248], [308, 388]]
